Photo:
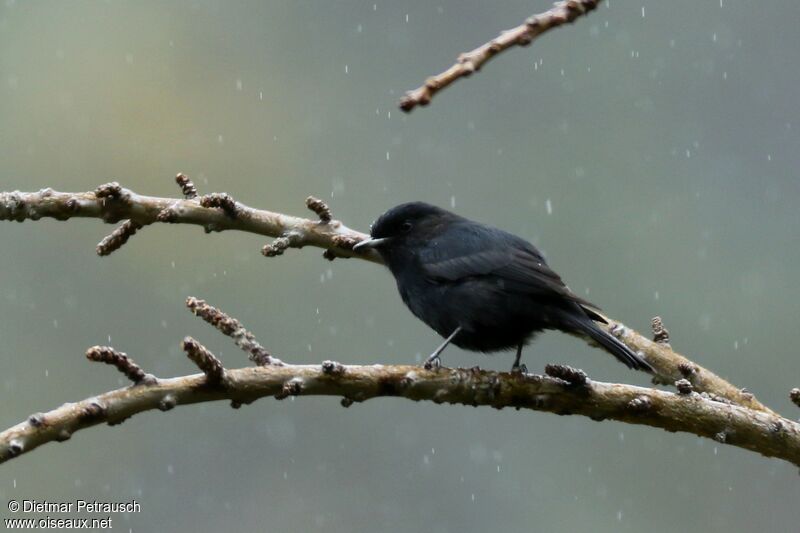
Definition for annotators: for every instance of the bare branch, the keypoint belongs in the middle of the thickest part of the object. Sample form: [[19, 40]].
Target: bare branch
[[705, 404], [762, 432], [561, 13], [671, 366], [116, 203]]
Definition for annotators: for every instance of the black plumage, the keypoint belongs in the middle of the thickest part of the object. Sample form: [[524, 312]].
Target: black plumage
[[480, 287]]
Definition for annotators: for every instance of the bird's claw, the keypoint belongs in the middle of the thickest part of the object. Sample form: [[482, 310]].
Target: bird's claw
[[433, 362]]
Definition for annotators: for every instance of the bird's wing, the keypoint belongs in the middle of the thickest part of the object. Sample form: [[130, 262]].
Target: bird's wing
[[512, 262]]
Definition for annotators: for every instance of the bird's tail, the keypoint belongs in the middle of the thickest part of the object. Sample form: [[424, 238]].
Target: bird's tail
[[611, 344]]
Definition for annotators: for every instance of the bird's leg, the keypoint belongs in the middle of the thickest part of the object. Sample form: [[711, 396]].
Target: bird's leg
[[433, 360], [516, 367]]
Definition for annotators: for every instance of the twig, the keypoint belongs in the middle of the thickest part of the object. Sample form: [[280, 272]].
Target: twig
[[117, 203], [320, 208], [114, 240], [234, 329], [186, 185], [469, 62], [204, 359], [762, 432], [120, 360]]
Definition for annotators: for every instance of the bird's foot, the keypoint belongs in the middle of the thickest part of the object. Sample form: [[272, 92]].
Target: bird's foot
[[434, 362], [519, 369]]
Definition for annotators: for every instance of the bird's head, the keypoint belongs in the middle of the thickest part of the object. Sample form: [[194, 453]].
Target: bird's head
[[403, 224]]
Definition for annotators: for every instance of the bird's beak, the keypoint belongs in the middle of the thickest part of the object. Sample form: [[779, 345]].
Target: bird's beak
[[370, 244]]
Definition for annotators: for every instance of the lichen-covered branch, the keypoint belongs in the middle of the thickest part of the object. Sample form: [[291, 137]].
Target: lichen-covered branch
[[469, 62], [758, 431]]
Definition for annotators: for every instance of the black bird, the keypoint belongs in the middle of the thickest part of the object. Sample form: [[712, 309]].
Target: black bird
[[479, 287]]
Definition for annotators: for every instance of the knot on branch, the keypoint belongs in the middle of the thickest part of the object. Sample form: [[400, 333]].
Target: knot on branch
[[573, 376], [112, 190], [114, 240], [794, 395], [332, 368], [167, 403], [684, 386], [205, 360], [320, 208], [119, 360], [687, 369], [293, 387], [167, 215], [640, 404], [13, 207], [37, 420], [220, 200], [187, 186], [92, 411], [660, 333], [234, 329]]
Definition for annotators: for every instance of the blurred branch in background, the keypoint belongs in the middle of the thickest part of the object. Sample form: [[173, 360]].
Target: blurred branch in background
[[523, 35], [705, 404]]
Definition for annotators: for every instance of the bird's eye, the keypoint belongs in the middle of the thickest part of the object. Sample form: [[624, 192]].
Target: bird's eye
[[406, 227]]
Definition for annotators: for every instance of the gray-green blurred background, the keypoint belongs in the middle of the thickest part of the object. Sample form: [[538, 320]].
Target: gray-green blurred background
[[651, 150]]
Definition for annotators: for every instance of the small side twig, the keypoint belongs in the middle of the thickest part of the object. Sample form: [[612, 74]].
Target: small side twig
[[320, 208], [277, 247], [660, 333], [234, 329], [114, 240], [204, 359], [120, 360], [523, 35], [187, 186]]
